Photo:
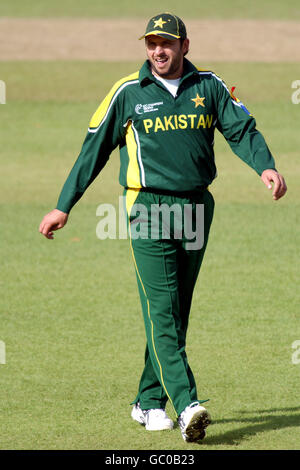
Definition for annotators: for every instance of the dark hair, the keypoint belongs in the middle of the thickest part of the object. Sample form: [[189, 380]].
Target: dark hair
[[181, 42]]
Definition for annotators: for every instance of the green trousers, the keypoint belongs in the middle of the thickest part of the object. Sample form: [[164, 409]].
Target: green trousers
[[167, 262]]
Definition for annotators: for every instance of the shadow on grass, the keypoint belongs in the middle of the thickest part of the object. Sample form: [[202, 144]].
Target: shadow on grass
[[261, 423]]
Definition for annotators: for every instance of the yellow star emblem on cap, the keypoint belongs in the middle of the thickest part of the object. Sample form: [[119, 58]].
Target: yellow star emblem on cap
[[198, 101], [159, 23]]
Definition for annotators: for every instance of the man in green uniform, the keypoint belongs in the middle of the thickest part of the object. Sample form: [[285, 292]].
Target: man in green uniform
[[163, 119]]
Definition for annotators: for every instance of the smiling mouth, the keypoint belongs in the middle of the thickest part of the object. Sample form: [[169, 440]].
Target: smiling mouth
[[161, 61]]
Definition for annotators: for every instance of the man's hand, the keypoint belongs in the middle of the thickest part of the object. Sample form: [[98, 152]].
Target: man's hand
[[271, 176], [55, 220]]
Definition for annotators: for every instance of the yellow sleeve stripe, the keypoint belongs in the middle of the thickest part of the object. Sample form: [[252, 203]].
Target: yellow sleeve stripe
[[101, 113]]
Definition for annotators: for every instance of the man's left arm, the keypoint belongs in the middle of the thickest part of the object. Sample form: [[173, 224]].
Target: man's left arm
[[279, 188], [239, 129]]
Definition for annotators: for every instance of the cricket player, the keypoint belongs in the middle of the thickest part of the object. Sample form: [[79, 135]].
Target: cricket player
[[163, 120]]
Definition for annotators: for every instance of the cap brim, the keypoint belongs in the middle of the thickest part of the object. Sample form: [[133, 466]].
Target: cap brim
[[161, 34]]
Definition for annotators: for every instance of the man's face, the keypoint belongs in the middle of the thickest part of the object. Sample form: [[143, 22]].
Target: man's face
[[166, 56]]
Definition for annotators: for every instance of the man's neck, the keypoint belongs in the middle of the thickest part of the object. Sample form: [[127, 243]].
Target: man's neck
[[173, 76], [177, 77]]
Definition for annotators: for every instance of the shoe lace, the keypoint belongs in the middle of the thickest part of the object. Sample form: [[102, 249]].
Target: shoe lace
[[183, 415], [195, 403]]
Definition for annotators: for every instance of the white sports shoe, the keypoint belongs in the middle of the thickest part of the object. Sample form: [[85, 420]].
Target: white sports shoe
[[155, 419], [193, 421]]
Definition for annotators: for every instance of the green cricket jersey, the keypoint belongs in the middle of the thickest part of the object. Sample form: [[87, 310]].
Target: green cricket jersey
[[165, 143]]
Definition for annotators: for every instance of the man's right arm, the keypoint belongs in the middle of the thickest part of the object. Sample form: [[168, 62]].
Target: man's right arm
[[104, 134], [55, 220]]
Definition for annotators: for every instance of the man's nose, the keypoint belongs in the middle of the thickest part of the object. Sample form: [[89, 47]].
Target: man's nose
[[159, 50]]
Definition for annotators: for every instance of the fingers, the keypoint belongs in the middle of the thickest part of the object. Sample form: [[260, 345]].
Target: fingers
[[55, 220], [266, 179], [276, 188], [280, 188], [283, 188], [49, 235], [46, 230]]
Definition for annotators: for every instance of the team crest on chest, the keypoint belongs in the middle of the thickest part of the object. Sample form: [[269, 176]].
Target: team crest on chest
[[199, 101]]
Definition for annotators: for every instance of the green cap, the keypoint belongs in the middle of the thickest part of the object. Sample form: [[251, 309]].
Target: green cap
[[167, 26]]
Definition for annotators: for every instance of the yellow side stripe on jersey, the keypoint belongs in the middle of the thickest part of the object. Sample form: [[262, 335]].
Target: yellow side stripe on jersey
[[133, 170], [101, 113], [131, 195]]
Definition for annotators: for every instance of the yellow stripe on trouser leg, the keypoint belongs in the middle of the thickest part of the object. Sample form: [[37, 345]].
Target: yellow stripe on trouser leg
[[131, 197], [166, 275]]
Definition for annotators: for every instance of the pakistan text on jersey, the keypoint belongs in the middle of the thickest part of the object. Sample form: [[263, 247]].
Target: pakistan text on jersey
[[181, 121]]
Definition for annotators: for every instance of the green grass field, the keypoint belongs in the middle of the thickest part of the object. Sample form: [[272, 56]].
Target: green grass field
[[69, 308], [70, 315]]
